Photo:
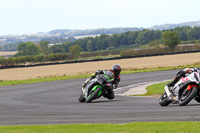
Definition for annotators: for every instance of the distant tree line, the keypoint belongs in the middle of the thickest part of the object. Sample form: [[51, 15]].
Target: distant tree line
[[41, 51], [135, 38], [116, 41], [42, 48], [11, 44]]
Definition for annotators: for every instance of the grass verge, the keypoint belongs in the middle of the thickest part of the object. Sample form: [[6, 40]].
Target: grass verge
[[15, 82], [138, 127], [155, 89]]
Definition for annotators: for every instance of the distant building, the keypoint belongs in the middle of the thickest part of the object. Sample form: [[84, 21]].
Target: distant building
[[2, 40], [51, 44]]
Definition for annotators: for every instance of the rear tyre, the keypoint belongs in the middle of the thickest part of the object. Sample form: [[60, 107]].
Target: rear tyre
[[163, 101], [93, 95], [187, 96]]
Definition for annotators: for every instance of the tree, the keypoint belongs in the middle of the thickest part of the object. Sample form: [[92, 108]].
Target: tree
[[57, 49], [1, 48], [101, 42], [65, 46], [182, 32], [11, 46], [113, 41], [27, 48], [144, 37], [131, 37], [157, 35], [44, 47], [75, 50], [170, 38], [89, 45], [192, 34], [154, 43]]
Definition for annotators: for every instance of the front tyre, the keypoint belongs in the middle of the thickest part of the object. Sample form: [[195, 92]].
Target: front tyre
[[187, 96], [81, 98], [93, 94], [163, 101]]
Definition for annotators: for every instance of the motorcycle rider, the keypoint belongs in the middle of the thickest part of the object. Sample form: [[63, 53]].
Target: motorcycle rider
[[179, 74], [116, 69]]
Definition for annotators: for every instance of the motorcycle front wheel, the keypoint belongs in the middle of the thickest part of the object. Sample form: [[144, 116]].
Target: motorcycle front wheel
[[93, 94], [187, 96], [81, 98], [163, 101]]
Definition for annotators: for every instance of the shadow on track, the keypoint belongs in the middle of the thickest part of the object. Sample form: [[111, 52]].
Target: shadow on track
[[176, 105], [105, 101], [193, 104]]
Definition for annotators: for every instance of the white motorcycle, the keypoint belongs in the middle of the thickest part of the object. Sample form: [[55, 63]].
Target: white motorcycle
[[183, 91]]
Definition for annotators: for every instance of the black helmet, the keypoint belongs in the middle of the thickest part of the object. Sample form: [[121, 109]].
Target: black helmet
[[116, 69]]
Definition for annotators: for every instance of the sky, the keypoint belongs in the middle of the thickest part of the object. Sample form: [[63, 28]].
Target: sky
[[33, 16]]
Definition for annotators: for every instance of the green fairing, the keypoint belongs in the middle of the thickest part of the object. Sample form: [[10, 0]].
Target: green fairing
[[99, 93], [95, 89]]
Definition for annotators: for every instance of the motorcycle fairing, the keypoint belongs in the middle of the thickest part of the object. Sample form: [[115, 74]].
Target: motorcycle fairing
[[91, 84], [183, 83]]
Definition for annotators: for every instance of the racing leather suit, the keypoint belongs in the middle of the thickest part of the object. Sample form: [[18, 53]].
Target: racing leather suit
[[182, 73]]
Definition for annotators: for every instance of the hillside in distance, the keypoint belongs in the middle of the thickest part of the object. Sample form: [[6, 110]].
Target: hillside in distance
[[68, 32], [66, 35], [92, 31], [172, 26]]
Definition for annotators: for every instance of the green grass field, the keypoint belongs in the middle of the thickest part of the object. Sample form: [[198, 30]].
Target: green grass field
[[138, 127]]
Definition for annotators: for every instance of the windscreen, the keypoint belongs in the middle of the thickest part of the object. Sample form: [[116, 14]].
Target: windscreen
[[108, 76]]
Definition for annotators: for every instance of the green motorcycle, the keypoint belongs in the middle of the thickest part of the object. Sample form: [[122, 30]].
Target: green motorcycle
[[96, 87]]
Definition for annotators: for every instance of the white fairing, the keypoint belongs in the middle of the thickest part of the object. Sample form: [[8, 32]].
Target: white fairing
[[190, 77]]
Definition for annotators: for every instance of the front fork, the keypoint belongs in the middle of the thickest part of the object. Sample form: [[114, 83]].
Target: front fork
[[170, 96], [167, 91]]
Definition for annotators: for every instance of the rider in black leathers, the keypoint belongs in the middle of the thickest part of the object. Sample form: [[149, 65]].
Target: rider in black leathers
[[116, 69]]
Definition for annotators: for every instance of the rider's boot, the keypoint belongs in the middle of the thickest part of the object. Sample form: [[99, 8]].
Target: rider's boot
[[170, 85]]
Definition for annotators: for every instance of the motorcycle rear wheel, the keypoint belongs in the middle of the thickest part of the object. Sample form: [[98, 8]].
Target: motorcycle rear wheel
[[163, 101], [185, 99]]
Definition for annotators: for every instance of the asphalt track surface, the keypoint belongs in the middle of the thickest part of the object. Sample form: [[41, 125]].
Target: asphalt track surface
[[56, 102]]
